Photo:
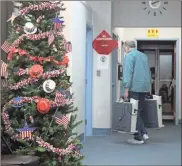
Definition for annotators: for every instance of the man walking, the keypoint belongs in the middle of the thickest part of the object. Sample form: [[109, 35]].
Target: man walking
[[137, 83]]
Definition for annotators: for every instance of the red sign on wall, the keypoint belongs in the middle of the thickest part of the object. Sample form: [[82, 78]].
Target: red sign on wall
[[104, 44]]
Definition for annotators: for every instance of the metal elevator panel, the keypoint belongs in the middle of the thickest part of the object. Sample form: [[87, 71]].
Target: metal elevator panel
[[165, 80], [162, 66], [153, 64]]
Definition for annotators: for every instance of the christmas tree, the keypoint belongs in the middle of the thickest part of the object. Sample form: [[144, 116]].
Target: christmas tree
[[39, 114]]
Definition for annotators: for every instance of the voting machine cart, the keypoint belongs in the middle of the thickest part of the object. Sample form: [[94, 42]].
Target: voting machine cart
[[124, 116], [152, 114]]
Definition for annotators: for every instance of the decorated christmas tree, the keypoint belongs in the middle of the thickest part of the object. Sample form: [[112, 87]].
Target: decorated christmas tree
[[39, 114]]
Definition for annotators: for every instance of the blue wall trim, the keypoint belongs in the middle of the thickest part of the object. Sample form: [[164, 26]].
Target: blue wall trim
[[177, 70], [89, 80], [101, 131]]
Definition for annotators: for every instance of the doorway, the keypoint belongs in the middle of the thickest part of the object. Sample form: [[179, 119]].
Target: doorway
[[164, 72], [88, 81]]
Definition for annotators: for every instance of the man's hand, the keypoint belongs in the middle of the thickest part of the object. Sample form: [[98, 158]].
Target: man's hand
[[126, 94]]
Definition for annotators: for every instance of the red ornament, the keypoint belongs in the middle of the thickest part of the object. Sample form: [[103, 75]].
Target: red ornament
[[36, 71], [65, 60], [43, 106]]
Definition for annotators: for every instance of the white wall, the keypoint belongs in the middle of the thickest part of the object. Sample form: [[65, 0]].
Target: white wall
[[101, 85], [76, 17], [78, 58], [75, 31], [164, 33]]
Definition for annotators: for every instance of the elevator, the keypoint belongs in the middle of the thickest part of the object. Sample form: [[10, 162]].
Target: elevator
[[162, 63]]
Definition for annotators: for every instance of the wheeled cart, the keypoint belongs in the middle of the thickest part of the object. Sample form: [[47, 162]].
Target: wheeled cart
[[152, 114], [124, 116]]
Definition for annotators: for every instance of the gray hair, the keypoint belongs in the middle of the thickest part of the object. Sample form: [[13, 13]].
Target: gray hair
[[130, 43]]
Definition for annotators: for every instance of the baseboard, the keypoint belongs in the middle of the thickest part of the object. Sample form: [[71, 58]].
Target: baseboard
[[101, 131]]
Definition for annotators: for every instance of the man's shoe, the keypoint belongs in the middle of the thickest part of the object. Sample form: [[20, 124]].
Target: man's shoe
[[145, 137], [135, 142]]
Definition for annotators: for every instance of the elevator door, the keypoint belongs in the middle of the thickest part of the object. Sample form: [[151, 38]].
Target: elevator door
[[160, 63], [165, 83], [153, 64]]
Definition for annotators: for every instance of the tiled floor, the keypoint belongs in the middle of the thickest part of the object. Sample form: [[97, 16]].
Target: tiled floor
[[164, 148]]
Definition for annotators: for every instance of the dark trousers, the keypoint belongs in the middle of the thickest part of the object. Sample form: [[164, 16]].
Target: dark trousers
[[140, 125]]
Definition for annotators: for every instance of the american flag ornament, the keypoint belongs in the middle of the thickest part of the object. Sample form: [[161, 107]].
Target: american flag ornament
[[69, 95], [62, 119], [5, 47], [61, 90], [51, 38], [26, 132], [57, 23], [60, 98], [67, 46], [4, 72]]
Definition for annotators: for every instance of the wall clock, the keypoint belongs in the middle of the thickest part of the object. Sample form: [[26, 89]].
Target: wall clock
[[154, 6]]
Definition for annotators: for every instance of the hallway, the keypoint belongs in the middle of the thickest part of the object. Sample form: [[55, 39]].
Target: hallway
[[164, 148]]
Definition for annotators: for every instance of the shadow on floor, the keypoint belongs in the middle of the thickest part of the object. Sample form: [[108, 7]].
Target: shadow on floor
[[163, 148]]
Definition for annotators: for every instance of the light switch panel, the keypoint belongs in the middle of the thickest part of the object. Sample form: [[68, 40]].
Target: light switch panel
[[98, 73]]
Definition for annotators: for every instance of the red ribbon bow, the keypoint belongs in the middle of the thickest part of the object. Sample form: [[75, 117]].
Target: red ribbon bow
[[14, 50]]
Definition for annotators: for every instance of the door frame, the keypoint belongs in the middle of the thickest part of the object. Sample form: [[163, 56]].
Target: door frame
[[114, 63], [114, 69], [88, 80], [177, 70]]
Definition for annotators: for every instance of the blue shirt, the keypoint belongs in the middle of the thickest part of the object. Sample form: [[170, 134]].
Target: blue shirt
[[136, 72]]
